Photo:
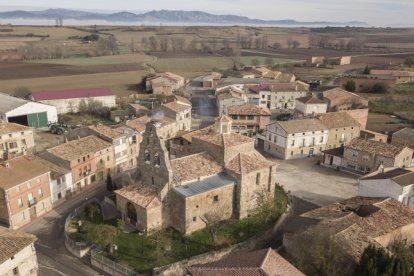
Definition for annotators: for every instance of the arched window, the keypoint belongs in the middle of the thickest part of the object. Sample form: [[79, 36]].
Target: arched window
[[157, 161], [147, 155]]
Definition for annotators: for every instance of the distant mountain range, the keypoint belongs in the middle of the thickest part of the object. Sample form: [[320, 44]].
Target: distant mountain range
[[162, 16]]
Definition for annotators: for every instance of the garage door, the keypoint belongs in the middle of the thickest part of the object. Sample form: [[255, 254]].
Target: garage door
[[37, 120]]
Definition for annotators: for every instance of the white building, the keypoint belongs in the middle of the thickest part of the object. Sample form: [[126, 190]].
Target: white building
[[294, 139], [70, 101], [61, 184], [24, 112], [17, 253], [15, 140], [397, 183], [310, 105]]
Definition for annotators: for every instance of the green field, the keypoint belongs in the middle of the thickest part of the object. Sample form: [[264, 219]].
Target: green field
[[104, 60]]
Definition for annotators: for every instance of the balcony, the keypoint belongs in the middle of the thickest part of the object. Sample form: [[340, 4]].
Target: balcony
[[32, 202], [86, 173]]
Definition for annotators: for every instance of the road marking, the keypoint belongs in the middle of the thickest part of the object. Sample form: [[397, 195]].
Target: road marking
[[53, 269]]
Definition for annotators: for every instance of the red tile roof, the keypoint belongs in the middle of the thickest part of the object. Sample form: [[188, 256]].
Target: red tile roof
[[71, 94]]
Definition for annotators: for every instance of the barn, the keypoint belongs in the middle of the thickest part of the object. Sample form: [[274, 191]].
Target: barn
[[24, 112]]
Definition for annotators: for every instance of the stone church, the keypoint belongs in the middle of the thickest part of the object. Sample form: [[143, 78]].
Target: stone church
[[222, 174]]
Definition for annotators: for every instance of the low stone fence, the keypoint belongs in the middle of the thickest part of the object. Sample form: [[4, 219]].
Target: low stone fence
[[108, 266], [180, 267], [79, 249], [110, 201]]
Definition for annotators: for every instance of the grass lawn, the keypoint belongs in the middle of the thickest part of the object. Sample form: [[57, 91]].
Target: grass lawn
[[122, 83]]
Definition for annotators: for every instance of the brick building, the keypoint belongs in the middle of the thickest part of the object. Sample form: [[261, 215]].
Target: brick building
[[222, 175], [249, 118], [24, 191]]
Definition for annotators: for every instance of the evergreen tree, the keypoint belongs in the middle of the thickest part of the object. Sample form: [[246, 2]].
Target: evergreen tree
[[366, 70], [109, 184], [350, 86]]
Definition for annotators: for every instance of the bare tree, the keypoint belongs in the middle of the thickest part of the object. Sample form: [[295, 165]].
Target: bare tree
[[153, 43], [132, 45], [163, 44], [214, 219], [295, 44], [289, 42], [276, 45], [21, 92]]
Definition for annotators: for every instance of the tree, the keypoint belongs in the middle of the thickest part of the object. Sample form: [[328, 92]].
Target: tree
[[409, 61], [295, 44], [255, 62], [214, 218], [379, 88], [103, 234], [350, 86], [366, 70], [376, 261], [109, 184], [21, 92], [270, 206], [108, 45], [317, 253], [92, 210], [276, 45], [289, 42]]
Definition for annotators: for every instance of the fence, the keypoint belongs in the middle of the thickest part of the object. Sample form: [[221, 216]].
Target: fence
[[113, 268]]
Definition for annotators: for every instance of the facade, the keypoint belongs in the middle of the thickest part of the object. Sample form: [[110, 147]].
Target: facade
[[89, 159], [28, 113], [340, 100], [180, 113], [372, 135], [24, 191], [211, 81], [228, 99], [363, 83], [61, 184], [310, 105], [397, 183], [17, 253], [294, 139], [404, 137], [222, 176], [70, 101], [365, 156], [249, 118], [355, 223], [342, 128], [258, 262], [277, 95], [164, 83], [15, 140], [400, 76]]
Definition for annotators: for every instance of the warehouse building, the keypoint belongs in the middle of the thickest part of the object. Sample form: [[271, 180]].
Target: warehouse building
[[24, 112]]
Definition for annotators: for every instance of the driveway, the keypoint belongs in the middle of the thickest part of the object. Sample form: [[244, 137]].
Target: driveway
[[312, 185]]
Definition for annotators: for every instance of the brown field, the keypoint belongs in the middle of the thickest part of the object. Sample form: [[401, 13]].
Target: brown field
[[385, 123]]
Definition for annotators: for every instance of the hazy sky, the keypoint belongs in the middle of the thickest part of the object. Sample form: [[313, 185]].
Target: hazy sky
[[376, 12]]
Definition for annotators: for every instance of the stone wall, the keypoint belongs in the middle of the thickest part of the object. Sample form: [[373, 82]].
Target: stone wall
[[360, 115]]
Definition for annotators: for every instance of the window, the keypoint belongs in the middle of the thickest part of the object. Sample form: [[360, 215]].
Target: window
[[31, 199], [321, 139], [291, 153], [194, 219], [38, 180], [293, 143], [29, 185], [24, 141], [258, 179], [43, 206], [84, 159], [270, 137], [365, 157], [16, 271], [23, 216], [78, 160], [303, 142], [40, 192], [18, 189], [216, 198], [250, 117], [275, 139], [20, 202], [147, 155], [354, 154], [234, 117], [108, 158], [157, 160], [13, 145]]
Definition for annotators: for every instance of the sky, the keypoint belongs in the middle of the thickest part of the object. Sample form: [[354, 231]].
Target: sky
[[374, 12]]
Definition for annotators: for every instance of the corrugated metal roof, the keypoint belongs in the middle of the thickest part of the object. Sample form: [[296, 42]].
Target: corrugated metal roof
[[9, 103], [205, 185]]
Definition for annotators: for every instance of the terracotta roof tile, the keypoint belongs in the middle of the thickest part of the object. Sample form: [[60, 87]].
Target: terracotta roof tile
[[141, 195], [310, 100], [12, 242], [245, 163], [249, 109], [195, 166], [302, 125], [225, 140], [107, 131], [379, 148], [6, 128], [338, 120], [176, 107]]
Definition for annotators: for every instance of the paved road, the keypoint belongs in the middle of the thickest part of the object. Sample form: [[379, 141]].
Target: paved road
[[204, 104], [52, 255]]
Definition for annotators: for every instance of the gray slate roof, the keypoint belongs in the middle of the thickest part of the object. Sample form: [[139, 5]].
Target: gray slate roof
[[207, 184], [9, 103]]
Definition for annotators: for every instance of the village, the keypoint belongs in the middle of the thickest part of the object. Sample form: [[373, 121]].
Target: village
[[207, 172]]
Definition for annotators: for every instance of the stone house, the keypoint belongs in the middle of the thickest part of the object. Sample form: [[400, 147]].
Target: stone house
[[310, 105], [180, 113], [212, 80], [397, 183], [24, 191], [249, 118], [340, 100], [89, 159], [164, 83], [404, 137], [354, 223], [277, 95], [220, 178], [342, 128], [372, 135], [258, 262], [15, 140], [229, 99], [17, 253], [70, 100], [365, 156], [294, 139]]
